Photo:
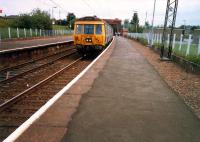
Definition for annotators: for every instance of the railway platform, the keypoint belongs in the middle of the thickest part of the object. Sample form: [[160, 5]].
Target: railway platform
[[6, 45], [120, 99]]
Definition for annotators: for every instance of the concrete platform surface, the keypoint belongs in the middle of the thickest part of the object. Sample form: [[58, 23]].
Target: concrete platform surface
[[120, 99], [32, 42], [129, 102]]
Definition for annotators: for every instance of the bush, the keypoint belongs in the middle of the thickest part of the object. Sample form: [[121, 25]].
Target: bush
[[37, 19]]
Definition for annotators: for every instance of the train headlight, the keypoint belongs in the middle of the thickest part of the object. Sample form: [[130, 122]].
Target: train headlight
[[88, 40]]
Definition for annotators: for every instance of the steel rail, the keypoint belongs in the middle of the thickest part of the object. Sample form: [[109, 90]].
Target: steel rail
[[13, 100], [33, 60], [35, 68]]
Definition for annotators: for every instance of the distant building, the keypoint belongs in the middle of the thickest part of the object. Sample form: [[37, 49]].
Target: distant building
[[9, 17], [116, 24]]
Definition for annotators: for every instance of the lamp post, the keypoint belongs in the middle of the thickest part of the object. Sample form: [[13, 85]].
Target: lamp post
[[52, 14], [184, 22], [152, 23]]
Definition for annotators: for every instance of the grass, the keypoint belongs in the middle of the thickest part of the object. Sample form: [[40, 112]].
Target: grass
[[59, 27], [142, 41], [193, 52]]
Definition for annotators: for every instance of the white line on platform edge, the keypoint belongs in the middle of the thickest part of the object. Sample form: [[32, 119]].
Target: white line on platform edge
[[22, 128]]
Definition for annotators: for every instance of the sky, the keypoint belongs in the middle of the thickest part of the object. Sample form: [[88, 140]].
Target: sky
[[188, 10]]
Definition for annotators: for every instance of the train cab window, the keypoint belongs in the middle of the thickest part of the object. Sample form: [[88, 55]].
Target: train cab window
[[79, 29], [98, 29], [89, 29]]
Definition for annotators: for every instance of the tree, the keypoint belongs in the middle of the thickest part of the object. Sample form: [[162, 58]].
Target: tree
[[147, 25], [126, 23], [36, 19], [70, 20], [40, 19], [135, 22]]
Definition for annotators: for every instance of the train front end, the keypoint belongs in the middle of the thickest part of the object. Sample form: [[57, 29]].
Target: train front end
[[89, 35]]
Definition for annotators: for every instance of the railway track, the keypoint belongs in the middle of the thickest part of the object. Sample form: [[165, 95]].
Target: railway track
[[10, 73], [18, 109], [12, 86]]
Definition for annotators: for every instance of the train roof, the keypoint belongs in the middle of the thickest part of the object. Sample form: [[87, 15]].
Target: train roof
[[89, 18]]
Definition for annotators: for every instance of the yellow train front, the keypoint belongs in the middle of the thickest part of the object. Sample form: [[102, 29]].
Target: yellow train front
[[91, 34]]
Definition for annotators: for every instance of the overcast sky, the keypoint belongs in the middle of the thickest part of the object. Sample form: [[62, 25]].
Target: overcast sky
[[188, 10]]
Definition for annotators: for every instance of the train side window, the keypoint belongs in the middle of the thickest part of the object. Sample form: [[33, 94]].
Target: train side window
[[89, 29], [98, 29], [79, 29]]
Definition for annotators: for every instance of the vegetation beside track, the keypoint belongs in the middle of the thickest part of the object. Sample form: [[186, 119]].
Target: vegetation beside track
[[192, 57]]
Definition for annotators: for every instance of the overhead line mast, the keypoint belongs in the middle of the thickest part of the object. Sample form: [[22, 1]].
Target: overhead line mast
[[170, 19]]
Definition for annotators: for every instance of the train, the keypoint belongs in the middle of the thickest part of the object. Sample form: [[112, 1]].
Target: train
[[91, 34]]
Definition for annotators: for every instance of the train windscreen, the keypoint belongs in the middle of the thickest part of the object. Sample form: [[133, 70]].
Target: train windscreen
[[79, 29], [88, 29], [98, 29]]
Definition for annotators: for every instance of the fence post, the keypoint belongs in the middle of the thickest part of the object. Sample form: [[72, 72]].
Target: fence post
[[167, 40], [0, 39], [35, 32], [30, 32], [152, 41], [181, 41], [174, 41], [40, 32], [188, 47], [147, 38], [17, 33], [24, 32], [199, 47], [157, 38], [9, 34]]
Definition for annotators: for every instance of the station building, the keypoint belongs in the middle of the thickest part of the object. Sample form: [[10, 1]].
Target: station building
[[116, 24]]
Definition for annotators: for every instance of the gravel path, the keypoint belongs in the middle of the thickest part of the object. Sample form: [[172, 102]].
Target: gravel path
[[187, 85]]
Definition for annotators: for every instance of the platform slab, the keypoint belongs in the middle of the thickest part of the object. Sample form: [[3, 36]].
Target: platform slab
[[129, 102], [32, 42]]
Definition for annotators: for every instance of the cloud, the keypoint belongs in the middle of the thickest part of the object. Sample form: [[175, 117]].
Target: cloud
[[122, 9]]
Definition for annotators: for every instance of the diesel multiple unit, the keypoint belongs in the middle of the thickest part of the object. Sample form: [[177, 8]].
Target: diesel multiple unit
[[91, 34]]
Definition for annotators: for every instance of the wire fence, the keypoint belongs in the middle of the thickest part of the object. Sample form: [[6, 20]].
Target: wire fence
[[184, 46], [10, 33]]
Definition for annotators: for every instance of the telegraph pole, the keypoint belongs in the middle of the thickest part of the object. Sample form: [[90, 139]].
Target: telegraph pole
[[152, 23]]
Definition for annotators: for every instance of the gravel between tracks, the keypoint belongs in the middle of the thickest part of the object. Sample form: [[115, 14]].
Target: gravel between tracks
[[186, 85]]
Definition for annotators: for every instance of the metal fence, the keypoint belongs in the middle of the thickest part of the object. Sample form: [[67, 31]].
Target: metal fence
[[185, 46], [9, 33]]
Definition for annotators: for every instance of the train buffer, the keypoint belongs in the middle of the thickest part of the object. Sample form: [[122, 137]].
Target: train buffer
[[127, 102]]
